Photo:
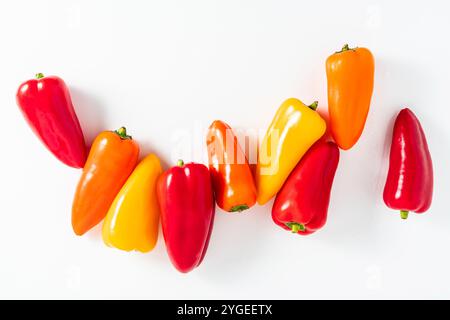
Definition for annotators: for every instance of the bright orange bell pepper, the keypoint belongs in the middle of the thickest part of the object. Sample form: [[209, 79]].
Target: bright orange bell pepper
[[232, 177], [111, 160], [350, 75]]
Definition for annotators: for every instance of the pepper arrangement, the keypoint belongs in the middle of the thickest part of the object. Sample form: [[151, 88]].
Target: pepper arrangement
[[296, 165]]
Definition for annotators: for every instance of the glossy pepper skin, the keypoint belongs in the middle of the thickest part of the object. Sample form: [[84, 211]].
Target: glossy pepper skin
[[234, 187], [112, 158], [301, 206], [133, 219], [294, 129], [409, 183], [187, 213], [46, 105], [350, 77]]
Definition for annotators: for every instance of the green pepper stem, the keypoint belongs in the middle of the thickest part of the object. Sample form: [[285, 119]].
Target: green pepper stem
[[39, 75], [180, 163], [122, 133], [314, 105], [346, 48], [296, 227], [239, 208], [404, 214]]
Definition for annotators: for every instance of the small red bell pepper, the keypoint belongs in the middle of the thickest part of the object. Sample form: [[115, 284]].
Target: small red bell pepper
[[409, 183], [46, 105], [302, 203], [187, 213]]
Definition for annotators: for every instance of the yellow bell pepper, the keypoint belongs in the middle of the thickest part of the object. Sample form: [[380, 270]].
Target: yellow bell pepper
[[133, 218], [294, 129]]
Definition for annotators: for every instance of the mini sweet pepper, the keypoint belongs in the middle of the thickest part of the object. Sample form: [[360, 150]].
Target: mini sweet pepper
[[232, 178], [187, 206], [46, 105], [294, 129], [409, 183], [112, 158], [133, 219], [350, 75], [302, 203]]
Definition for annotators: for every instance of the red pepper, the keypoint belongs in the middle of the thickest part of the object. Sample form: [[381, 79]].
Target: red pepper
[[45, 102], [409, 183], [187, 213], [302, 203]]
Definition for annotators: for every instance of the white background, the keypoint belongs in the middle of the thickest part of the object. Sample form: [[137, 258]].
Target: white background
[[159, 67]]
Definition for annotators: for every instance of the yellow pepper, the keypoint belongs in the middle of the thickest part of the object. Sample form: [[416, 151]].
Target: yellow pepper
[[132, 220], [294, 129]]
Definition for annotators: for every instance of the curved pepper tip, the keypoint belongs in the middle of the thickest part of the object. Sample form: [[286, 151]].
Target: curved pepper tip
[[78, 230]]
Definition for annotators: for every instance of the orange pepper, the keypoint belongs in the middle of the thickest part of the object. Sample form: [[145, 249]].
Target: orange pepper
[[232, 177], [350, 74], [111, 160]]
